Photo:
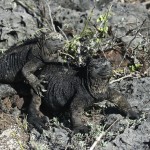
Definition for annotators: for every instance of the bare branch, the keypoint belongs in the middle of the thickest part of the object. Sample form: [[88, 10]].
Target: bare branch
[[122, 78], [102, 134], [67, 54], [50, 15], [63, 33], [132, 41]]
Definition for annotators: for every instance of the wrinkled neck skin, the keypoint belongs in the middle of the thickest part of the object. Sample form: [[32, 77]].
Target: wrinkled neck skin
[[97, 87], [47, 56]]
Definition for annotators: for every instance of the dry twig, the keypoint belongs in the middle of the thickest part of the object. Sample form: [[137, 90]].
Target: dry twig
[[63, 33], [127, 47], [50, 15], [102, 134], [67, 54], [122, 78]]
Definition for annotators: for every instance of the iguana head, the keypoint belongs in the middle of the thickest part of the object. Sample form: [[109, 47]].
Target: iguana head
[[99, 71], [54, 42], [99, 68]]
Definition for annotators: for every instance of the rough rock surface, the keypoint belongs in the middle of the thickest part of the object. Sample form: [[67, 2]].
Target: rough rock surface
[[129, 23], [136, 136], [17, 24], [125, 134]]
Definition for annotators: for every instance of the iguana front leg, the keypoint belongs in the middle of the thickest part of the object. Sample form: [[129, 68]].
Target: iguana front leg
[[28, 72], [121, 102], [78, 119], [35, 116]]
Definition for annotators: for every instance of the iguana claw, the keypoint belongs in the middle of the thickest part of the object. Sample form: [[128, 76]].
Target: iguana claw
[[39, 123], [38, 87]]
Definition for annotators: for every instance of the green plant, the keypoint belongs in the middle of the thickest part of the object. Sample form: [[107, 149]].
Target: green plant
[[16, 137], [135, 67], [103, 20], [87, 42], [23, 124], [97, 130]]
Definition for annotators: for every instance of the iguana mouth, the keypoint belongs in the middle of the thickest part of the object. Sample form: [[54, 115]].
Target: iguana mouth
[[97, 88]]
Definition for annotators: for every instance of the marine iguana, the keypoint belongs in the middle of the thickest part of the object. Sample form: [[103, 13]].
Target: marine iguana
[[23, 60], [76, 89]]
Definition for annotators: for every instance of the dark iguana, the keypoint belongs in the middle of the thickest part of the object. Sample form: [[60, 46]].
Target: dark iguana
[[26, 58], [77, 89]]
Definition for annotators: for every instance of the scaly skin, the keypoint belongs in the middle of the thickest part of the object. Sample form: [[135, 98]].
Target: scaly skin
[[77, 90], [22, 61]]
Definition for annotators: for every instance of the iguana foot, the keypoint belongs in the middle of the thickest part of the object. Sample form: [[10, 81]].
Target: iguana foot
[[39, 123], [35, 117]]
